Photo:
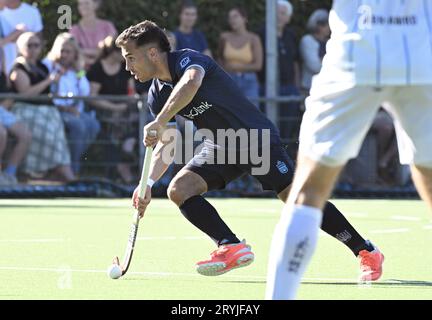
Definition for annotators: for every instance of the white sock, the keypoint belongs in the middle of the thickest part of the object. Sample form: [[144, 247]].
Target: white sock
[[293, 244]]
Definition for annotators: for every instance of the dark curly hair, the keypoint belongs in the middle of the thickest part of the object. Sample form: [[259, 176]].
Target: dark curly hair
[[144, 33]]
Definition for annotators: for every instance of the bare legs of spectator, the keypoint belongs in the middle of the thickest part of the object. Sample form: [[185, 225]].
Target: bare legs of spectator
[[125, 173], [124, 168], [65, 173], [23, 137]]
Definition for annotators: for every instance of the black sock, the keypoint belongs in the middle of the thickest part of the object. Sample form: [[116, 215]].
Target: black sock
[[336, 225], [205, 217]]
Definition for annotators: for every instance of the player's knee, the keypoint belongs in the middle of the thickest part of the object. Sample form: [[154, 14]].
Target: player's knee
[[180, 189], [175, 193]]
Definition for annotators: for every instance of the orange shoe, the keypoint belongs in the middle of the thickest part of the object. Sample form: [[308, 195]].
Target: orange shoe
[[226, 258], [370, 265]]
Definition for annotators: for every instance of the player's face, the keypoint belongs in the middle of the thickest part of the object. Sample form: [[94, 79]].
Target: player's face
[[140, 61]]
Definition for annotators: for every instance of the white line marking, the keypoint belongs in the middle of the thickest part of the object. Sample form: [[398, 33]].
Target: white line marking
[[356, 214], [406, 218], [194, 238], [179, 274], [30, 240], [170, 238], [263, 210], [156, 238], [163, 274], [401, 230], [429, 227], [158, 274]]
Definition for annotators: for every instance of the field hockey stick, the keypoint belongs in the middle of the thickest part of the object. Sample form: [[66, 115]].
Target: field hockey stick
[[136, 217]]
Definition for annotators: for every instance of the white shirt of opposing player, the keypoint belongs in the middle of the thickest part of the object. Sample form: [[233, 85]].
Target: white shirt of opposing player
[[379, 42]]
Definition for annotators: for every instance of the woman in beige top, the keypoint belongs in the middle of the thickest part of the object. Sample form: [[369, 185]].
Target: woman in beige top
[[241, 53]]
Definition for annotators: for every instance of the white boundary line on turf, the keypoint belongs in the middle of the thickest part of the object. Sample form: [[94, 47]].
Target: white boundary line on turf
[[30, 240], [179, 274], [406, 218], [356, 214], [163, 274], [158, 274], [384, 231], [171, 238]]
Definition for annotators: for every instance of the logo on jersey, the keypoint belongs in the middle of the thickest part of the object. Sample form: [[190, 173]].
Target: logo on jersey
[[282, 167], [344, 236], [184, 62], [203, 107]]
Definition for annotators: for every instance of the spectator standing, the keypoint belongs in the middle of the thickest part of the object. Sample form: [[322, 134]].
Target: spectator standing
[[30, 77], [108, 76], [91, 30], [81, 127], [312, 46], [289, 71], [19, 17], [186, 34], [241, 53]]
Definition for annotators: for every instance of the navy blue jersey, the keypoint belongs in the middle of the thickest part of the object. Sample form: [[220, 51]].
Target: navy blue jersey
[[157, 96], [218, 104]]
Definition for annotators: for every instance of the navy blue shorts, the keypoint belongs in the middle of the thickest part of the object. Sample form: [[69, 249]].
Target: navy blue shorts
[[217, 176]]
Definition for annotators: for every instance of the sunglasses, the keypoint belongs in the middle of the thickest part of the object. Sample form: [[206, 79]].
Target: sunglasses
[[33, 45]]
